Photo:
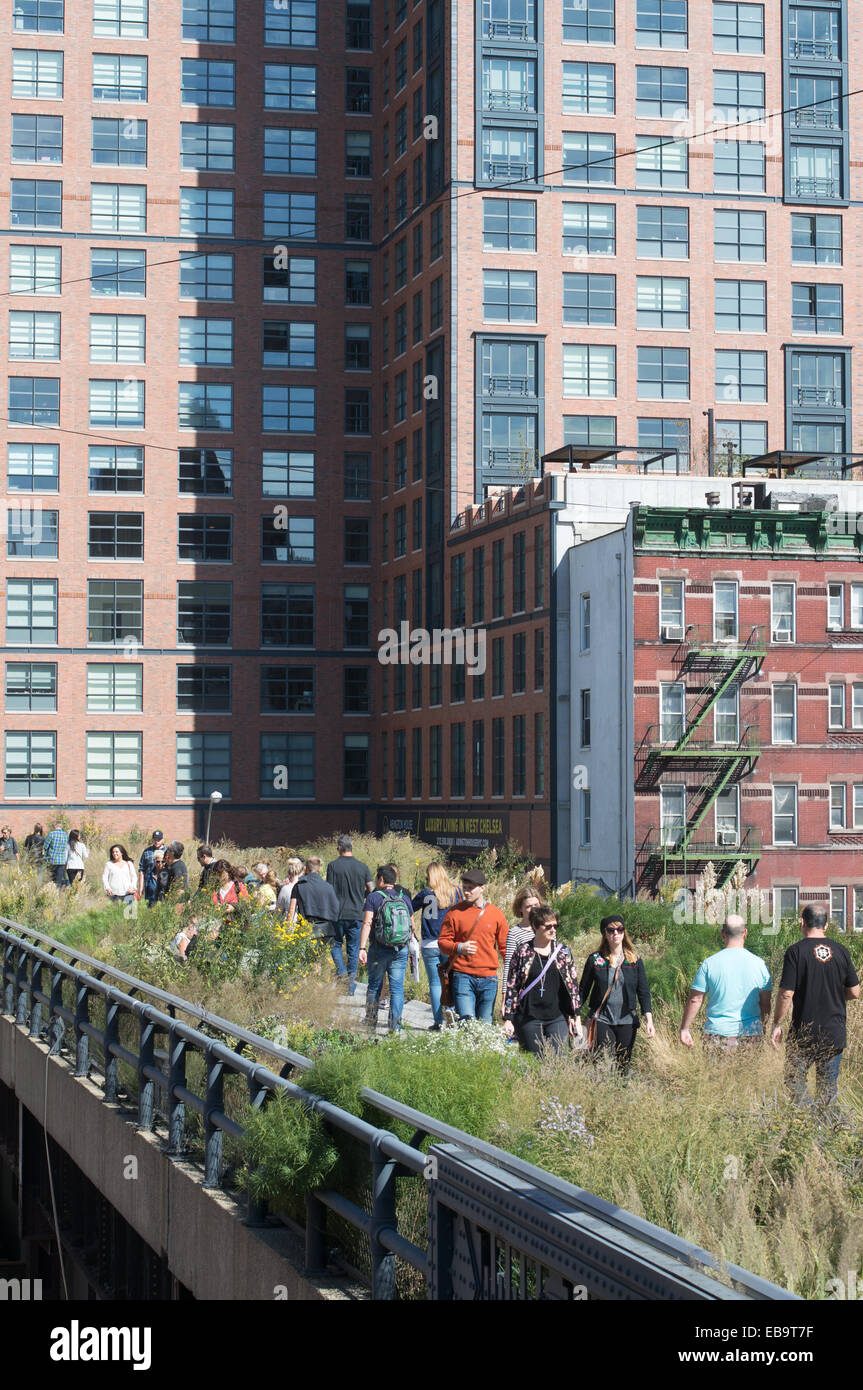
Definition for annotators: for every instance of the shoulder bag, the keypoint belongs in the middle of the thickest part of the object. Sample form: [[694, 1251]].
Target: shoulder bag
[[445, 972], [591, 1023]]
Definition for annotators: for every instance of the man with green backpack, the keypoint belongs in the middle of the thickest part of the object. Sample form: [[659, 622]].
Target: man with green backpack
[[387, 920]]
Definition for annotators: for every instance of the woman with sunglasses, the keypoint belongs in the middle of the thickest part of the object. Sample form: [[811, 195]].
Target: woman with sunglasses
[[613, 982], [541, 1004]]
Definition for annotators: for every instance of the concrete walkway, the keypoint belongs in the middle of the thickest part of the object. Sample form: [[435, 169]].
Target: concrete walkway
[[351, 1012]]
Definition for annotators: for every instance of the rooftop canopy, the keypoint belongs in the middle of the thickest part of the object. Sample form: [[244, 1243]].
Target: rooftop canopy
[[780, 461], [586, 456]]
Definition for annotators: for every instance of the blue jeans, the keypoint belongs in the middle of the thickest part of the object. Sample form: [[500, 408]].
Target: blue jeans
[[799, 1059], [349, 932], [474, 995], [431, 957], [383, 960]]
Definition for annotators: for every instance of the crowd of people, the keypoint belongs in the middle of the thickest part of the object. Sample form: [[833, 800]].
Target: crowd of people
[[463, 940]]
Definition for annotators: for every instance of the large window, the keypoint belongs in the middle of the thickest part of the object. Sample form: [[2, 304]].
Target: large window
[[115, 610], [114, 765], [816, 308], [31, 685], [34, 337], [32, 467], [739, 236], [661, 163], [655, 434], [661, 92], [206, 83], [589, 298], [589, 370], [37, 139], [288, 766], [121, 19], [740, 306], [205, 472], [739, 166], [584, 21], [509, 224], [662, 301], [589, 229], [289, 151], [203, 614], [38, 16], [287, 689], [118, 207], [207, 146], [37, 73], [509, 296], [115, 535], [117, 338], [508, 153], [36, 203], [209, 21], [738, 96], [203, 764], [208, 211], [34, 269], [114, 687], [588, 157], [816, 239], [119, 141], [588, 88], [288, 344], [206, 342], [816, 171], [34, 400], [204, 405], [508, 84], [741, 376], [292, 215], [289, 87], [661, 24], [814, 32], [662, 233], [818, 379], [31, 765], [204, 539], [784, 814], [31, 612], [288, 542], [663, 374], [738, 28], [287, 615], [117, 404]]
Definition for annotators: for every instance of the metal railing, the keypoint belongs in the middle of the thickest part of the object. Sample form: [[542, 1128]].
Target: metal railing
[[816, 188], [814, 48], [819, 395], [512, 1214]]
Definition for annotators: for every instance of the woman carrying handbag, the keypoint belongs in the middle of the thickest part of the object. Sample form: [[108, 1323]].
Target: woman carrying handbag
[[541, 1003], [614, 985]]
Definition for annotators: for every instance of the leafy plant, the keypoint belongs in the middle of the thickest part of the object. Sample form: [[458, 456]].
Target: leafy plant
[[287, 1152]]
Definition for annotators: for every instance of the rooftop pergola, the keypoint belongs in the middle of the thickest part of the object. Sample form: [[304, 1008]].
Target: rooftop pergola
[[781, 461], [584, 457]]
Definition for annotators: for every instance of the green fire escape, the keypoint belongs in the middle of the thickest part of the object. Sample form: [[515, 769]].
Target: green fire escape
[[710, 668]]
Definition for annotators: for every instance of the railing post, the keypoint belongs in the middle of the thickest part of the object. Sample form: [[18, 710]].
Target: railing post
[[316, 1236], [111, 1035], [35, 1004], [146, 1058], [214, 1102], [21, 984], [383, 1218], [57, 1027], [256, 1211], [177, 1109], [82, 1041], [8, 985]]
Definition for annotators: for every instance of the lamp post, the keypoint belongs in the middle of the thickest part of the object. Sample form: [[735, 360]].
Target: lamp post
[[214, 797]]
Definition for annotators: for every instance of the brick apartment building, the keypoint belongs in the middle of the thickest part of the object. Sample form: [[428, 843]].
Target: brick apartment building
[[328, 276]]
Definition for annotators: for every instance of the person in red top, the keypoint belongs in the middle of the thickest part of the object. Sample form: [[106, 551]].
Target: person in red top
[[230, 887], [473, 935]]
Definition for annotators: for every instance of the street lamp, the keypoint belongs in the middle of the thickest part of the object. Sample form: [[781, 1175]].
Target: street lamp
[[214, 797]]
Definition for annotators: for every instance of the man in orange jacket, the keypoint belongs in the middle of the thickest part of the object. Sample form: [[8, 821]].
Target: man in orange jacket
[[473, 935]]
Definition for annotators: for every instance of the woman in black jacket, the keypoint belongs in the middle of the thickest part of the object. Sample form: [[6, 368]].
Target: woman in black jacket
[[612, 981]]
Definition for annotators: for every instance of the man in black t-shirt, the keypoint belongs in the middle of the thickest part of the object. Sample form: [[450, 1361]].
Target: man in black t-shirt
[[818, 976], [352, 881]]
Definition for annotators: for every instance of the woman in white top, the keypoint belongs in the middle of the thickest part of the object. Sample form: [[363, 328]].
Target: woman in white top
[[76, 853], [119, 878]]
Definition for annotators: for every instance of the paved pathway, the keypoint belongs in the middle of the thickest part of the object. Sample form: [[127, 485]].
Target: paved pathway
[[351, 1009]]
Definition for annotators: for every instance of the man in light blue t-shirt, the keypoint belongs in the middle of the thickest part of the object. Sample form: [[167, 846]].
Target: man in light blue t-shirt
[[737, 987]]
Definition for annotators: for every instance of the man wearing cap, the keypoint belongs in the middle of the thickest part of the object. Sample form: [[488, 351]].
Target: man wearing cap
[[473, 935], [148, 882]]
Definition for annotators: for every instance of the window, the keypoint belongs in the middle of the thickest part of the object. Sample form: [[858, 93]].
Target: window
[[585, 719], [584, 21], [857, 823], [661, 92], [739, 236], [584, 623], [288, 766], [726, 717], [34, 400], [727, 816], [738, 440], [287, 541], [114, 688], [739, 166], [117, 338], [210, 21], [358, 91], [357, 477], [358, 154], [209, 146], [739, 96], [663, 374], [203, 614], [740, 306], [816, 239], [119, 77], [123, 19], [672, 711], [37, 139], [286, 151], [784, 904], [784, 713], [816, 308], [209, 212], [203, 764], [204, 690], [289, 409], [662, 302], [660, 24], [509, 368], [837, 909], [357, 690], [725, 611], [817, 378], [437, 233], [509, 296], [508, 154], [38, 16], [589, 229], [738, 28], [662, 233], [355, 763], [672, 815], [358, 287], [205, 472], [539, 658], [435, 759], [857, 707], [118, 207], [288, 344], [835, 607], [838, 801], [589, 298], [509, 84], [207, 277], [785, 815], [589, 370], [655, 434], [836, 706], [205, 83], [116, 468], [814, 33], [357, 612], [119, 141], [32, 467], [287, 474], [588, 88], [31, 764], [816, 171], [37, 73], [204, 539], [741, 376], [206, 342], [115, 610], [497, 660], [357, 533], [114, 765], [782, 612], [660, 164], [204, 405], [32, 534], [289, 87], [34, 337], [31, 686], [671, 612], [115, 536], [358, 411], [498, 757], [358, 219], [588, 157], [35, 203], [34, 269], [31, 612]]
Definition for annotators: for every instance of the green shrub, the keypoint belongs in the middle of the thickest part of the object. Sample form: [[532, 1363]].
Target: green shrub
[[287, 1151]]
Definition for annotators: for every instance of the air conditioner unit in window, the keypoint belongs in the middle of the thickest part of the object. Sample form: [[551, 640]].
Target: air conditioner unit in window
[[728, 837], [672, 633], [782, 635]]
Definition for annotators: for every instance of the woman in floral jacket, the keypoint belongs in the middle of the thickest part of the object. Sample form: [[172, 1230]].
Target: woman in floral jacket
[[542, 1003]]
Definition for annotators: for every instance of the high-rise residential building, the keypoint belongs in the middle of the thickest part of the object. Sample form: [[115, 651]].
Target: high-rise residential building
[[306, 281]]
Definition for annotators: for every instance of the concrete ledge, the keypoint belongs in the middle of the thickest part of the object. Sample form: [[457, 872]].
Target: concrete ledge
[[199, 1231]]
